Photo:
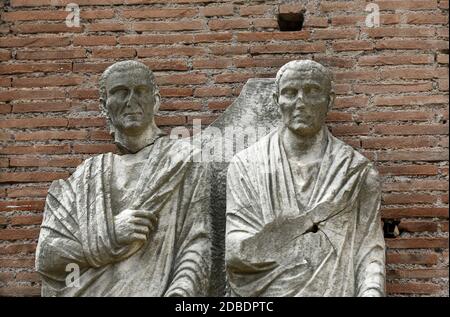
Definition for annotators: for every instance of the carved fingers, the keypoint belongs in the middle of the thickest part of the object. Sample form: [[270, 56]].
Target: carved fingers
[[134, 225]]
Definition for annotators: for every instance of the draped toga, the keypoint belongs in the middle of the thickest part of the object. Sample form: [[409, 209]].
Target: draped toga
[[325, 240], [78, 227]]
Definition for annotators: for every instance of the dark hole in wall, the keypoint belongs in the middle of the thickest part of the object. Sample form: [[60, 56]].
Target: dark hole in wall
[[290, 21], [390, 228]]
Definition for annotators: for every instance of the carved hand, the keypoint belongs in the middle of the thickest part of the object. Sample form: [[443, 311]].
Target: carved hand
[[134, 225]]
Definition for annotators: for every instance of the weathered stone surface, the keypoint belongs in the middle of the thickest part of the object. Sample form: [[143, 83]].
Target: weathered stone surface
[[302, 207], [134, 224]]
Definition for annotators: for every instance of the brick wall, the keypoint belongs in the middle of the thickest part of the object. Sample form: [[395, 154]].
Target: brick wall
[[392, 105]]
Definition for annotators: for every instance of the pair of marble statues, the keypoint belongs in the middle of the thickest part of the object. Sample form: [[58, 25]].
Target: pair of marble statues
[[302, 207]]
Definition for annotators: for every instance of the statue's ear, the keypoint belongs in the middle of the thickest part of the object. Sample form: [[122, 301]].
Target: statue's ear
[[275, 98], [331, 101], [157, 102]]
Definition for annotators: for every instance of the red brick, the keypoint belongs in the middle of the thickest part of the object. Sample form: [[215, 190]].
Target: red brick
[[212, 37], [412, 44], [359, 20], [17, 248], [33, 123], [181, 105], [268, 36], [417, 273], [5, 55], [19, 94], [170, 51], [155, 39], [86, 122], [33, 67], [36, 149], [49, 55], [319, 22], [327, 34], [51, 15], [350, 130], [217, 11], [259, 62], [412, 288], [290, 8], [398, 142], [283, 49], [84, 94], [352, 46], [155, 65], [48, 41], [254, 10], [159, 120], [113, 53], [442, 58], [219, 105], [381, 32], [184, 79], [406, 4], [45, 162], [28, 277], [417, 226], [204, 120], [176, 92], [392, 88], [233, 77], [47, 81], [40, 107], [100, 136], [413, 156], [5, 82], [426, 18], [229, 50], [228, 24], [401, 199], [410, 100], [107, 27], [26, 220], [398, 170], [332, 61], [211, 63], [332, 6], [93, 40], [23, 205], [21, 192], [356, 75], [212, 92], [20, 291], [443, 84], [412, 258], [417, 243], [17, 263], [270, 23], [168, 26], [395, 116], [93, 148], [31, 28], [159, 13], [395, 59], [416, 185], [412, 129], [51, 135]]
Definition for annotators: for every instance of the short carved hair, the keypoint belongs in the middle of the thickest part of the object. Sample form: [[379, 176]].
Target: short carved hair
[[304, 64]]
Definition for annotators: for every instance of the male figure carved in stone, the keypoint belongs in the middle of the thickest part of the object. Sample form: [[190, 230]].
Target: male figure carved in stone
[[134, 224], [302, 206]]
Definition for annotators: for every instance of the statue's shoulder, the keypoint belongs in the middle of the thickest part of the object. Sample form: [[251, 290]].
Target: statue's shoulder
[[256, 151]]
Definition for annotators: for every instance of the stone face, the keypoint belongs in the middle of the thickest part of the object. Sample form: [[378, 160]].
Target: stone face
[[302, 207], [134, 224]]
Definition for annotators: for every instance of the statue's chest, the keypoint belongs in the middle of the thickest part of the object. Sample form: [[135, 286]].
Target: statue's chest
[[124, 178]]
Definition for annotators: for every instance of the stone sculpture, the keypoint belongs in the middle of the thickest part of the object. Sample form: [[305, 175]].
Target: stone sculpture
[[134, 224], [302, 213]]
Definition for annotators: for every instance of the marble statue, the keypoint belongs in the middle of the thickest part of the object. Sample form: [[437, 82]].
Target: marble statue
[[134, 224], [302, 214]]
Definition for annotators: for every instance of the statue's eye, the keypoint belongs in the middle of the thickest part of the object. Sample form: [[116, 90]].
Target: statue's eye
[[312, 89], [121, 92], [290, 92]]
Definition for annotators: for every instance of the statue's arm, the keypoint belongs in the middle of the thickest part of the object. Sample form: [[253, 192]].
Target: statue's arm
[[370, 255], [59, 243], [252, 243], [192, 263]]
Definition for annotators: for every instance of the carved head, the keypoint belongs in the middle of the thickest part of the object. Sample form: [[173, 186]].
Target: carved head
[[129, 97], [304, 95]]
